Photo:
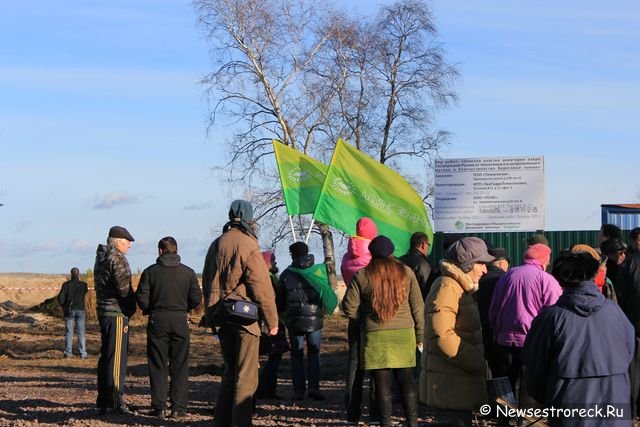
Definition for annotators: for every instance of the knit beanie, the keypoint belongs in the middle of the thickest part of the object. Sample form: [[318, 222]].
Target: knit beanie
[[268, 257], [298, 249], [240, 215], [240, 210], [539, 252], [366, 228], [537, 238], [381, 247]]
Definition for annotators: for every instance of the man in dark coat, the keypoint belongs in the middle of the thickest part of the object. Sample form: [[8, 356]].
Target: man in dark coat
[[616, 252], [71, 298], [168, 290], [629, 300], [577, 352], [416, 260], [495, 270], [304, 314], [115, 303]]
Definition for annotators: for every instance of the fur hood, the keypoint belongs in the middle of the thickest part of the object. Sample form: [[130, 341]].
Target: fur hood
[[451, 270]]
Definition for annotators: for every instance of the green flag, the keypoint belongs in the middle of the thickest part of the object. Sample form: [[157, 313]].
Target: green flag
[[301, 178], [357, 186], [317, 277]]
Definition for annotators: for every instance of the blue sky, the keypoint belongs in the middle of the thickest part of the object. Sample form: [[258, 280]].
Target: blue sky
[[102, 121]]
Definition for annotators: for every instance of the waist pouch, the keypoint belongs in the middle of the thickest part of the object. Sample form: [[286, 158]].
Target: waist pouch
[[237, 311]]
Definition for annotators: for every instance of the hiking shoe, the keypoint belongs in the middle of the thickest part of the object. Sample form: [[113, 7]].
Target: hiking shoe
[[160, 413], [178, 415], [125, 410], [316, 395], [102, 411]]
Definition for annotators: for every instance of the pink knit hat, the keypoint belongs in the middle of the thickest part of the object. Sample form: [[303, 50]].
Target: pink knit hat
[[539, 252], [365, 227], [268, 257]]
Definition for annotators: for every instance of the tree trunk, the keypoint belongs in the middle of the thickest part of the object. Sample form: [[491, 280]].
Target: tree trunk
[[329, 254]]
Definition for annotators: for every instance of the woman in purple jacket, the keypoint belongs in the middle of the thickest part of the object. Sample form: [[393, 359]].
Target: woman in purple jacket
[[518, 297]]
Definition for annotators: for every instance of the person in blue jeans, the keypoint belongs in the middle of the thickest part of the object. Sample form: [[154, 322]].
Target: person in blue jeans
[[71, 298], [302, 308]]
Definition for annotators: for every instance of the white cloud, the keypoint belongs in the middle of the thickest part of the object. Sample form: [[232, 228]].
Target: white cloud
[[27, 249], [197, 206], [111, 200], [23, 226], [81, 246]]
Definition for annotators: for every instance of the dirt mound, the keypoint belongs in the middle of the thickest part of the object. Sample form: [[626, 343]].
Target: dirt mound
[[29, 289], [50, 307]]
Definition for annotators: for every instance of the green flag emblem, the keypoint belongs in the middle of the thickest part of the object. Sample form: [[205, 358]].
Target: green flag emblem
[[356, 186], [301, 177]]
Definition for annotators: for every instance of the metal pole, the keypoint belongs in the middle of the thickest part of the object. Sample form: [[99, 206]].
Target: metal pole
[[293, 230], [309, 232]]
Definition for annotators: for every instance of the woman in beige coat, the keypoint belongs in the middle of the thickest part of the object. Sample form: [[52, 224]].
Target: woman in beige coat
[[452, 380]]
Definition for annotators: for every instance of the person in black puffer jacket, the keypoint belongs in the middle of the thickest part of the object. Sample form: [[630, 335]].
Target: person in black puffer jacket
[[301, 306]]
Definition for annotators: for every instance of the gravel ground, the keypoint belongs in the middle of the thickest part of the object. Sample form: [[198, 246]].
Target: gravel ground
[[40, 387]]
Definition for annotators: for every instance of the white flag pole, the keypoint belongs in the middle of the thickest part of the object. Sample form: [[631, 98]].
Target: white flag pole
[[293, 230], [309, 232]]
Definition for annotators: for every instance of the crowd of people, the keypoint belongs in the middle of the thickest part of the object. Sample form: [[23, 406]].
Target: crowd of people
[[563, 332]]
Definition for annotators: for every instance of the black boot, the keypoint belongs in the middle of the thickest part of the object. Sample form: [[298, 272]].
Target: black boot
[[410, 405], [385, 407]]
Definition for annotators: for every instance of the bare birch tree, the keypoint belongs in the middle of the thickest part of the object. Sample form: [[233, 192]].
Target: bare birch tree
[[305, 74]]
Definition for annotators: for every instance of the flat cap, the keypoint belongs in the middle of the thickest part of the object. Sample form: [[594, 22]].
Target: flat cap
[[468, 251], [499, 253], [120, 233]]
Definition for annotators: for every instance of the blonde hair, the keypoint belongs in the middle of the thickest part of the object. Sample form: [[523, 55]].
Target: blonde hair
[[389, 287]]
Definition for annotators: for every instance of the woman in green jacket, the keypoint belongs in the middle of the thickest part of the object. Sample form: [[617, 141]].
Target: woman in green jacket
[[386, 297]]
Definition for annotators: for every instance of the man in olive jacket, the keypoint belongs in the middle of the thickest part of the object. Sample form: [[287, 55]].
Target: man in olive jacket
[[234, 268]]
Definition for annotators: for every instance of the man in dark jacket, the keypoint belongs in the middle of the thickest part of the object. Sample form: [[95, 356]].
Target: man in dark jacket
[[71, 298], [616, 252], [416, 260], [577, 352], [495, 270], [168, 290], [630, 302], [115, 303], [304, 314]]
